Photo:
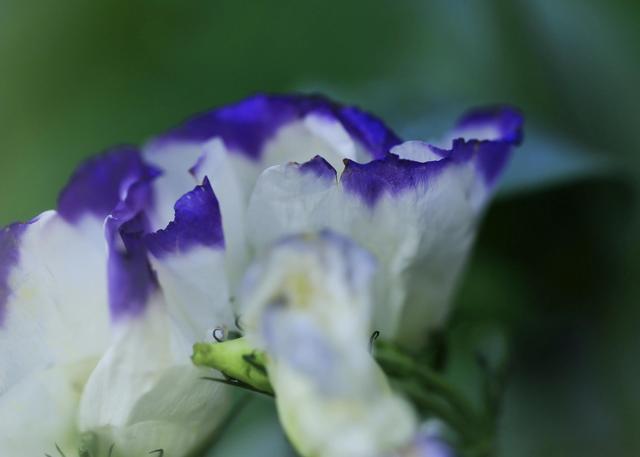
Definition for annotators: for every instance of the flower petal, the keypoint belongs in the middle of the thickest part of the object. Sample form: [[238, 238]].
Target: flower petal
[[39, 414], [324, 274], [289, 199], [416, 209], [308, 305], [130, 278], [197, 223], [188, 257], [112, 173], [501, 123], [53, 300], [420, 219], [257, 133], [145, 395], [247, 126], [144, 387], [232, 183]]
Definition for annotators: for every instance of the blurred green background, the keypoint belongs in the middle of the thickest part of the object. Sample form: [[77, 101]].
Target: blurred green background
[[557, 260]]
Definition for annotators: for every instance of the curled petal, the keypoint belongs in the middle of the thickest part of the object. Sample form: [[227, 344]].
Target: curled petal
[[188, 258], [231, 182], [308, 305], [131, 280], [197, 223], [99, 184], [324, 275]]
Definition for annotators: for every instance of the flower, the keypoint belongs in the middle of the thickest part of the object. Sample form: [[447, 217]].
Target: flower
[[101, 299], [94, 353], [307, 304]]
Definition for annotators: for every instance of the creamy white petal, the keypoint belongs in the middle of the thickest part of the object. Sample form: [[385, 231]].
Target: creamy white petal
[[39, 413], [308, 305], [365, 419], [232, 178], [174, 161], [290, 199], [196, 291], [55, 301], [313, 135], [144, 388]]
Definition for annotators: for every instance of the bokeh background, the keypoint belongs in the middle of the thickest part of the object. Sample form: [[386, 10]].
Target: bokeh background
[[556, 268]]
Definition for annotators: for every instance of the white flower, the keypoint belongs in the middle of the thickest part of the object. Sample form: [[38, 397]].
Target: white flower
[[94, 348], [101, 300], [308, 306]]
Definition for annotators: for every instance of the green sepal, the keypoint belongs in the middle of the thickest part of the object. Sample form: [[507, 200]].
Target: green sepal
[[236, 359]]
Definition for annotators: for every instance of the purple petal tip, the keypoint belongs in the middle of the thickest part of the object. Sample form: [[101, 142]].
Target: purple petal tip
[[247, 125], [98, 185], [507, 121], [319, 167], [197, 222]]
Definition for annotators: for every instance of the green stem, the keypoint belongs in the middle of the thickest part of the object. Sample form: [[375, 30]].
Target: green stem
[[394, 362], [432, 394]]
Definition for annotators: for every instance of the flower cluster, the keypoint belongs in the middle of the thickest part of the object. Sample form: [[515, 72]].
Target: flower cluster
[[311, 221]]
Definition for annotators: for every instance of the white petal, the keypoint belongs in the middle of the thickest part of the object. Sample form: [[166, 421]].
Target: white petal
[[56, 308], [314, 135], [145, 395], [289, 199], [416, 210], [188, 256], [174, 160], [364, 420], [308, 305], [232, 178], [196, 291], [421, 234], [40, 412], [323, 276]]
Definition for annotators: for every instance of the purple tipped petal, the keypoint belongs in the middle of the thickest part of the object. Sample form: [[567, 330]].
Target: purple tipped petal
[[370, 181], [319, 167], [197, 222], [131, 280], [490, 157], [246, 126], [393, 175], [99, 184], [505, 123], [9, 257], [369, 130]]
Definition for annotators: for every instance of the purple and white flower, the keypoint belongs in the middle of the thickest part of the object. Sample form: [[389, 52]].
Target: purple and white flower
[[101, 299]]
